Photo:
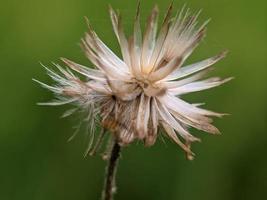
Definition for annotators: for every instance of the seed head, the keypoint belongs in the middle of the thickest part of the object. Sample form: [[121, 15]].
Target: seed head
[[135, 95]]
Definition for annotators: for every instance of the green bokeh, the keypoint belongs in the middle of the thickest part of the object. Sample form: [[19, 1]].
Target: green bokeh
[[38, 164]]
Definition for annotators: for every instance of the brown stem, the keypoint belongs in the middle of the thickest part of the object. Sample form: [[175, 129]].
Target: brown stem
[[110, 184]]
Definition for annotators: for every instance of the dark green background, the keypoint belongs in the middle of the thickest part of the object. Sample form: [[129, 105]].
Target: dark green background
[[37, 163]]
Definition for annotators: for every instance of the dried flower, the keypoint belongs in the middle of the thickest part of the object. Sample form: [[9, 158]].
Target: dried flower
[[141, 92]]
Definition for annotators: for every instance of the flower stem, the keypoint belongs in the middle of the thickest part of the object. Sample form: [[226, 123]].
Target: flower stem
[[110, 183]]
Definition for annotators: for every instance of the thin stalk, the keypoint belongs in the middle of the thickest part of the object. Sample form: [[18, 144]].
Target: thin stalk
[[110, 183]]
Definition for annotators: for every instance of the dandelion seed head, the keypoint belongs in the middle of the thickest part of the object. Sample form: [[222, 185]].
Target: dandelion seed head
[[135, 95]]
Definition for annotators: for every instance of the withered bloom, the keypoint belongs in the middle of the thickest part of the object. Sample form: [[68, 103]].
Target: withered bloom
[[135, 95]]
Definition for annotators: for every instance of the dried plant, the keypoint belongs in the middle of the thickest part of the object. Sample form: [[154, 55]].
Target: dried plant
[[132, 97]]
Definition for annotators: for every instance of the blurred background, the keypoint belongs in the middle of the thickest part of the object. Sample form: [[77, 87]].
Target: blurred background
[[37, 162]]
